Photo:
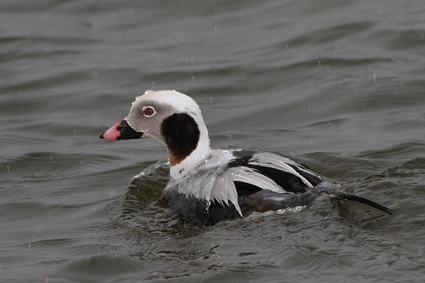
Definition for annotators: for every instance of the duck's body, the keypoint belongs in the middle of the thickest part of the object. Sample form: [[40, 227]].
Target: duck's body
[[208, 185], [229, 187]]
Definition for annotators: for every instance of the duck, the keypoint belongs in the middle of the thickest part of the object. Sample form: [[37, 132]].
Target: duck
[[210, 185]]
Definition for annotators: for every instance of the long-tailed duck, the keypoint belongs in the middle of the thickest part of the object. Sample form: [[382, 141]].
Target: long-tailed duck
[[208, 185]]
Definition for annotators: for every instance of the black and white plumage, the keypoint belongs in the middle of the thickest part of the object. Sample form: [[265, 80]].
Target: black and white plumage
[[209, 185]]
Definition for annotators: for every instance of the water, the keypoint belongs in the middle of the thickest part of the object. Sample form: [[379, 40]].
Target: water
[[337, 85]]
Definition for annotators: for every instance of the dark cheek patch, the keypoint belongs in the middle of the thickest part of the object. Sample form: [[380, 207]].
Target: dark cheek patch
[[181, 134]]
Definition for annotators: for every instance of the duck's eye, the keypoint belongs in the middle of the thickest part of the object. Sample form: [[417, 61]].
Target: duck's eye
[[148, 111]]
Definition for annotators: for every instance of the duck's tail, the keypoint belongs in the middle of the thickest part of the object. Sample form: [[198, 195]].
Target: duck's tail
[[343, 196], [331, 189]]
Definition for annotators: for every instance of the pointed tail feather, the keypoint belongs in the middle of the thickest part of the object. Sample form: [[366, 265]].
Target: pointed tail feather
[[342, 196]]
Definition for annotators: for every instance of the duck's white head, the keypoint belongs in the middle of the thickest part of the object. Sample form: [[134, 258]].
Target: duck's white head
[[175, 119]]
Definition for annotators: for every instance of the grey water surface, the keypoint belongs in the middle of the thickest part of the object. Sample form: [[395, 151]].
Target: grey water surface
[[337, 85]]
